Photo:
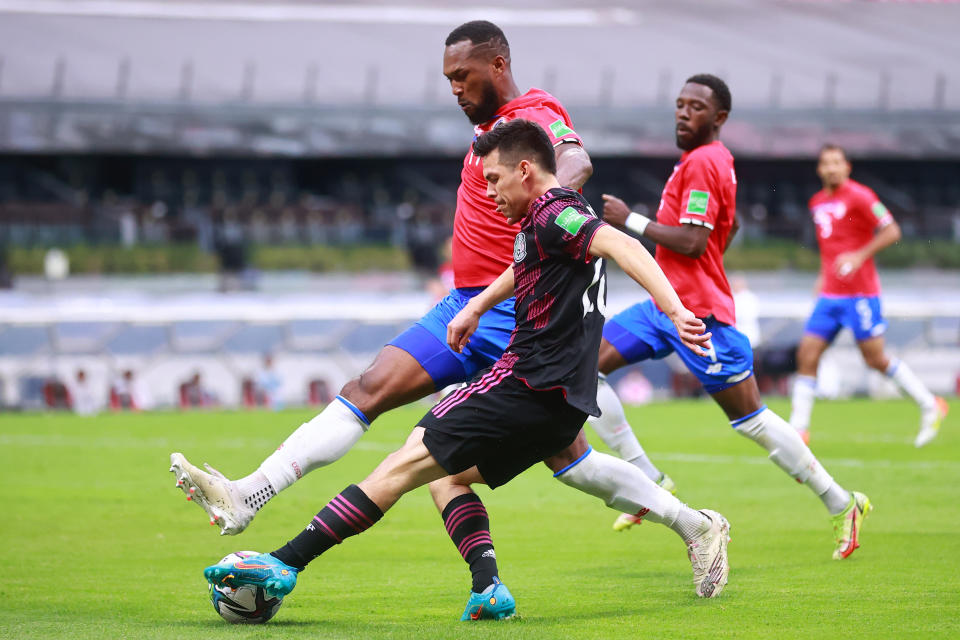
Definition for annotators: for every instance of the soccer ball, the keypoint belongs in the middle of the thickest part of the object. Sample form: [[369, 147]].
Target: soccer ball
[[247, 604]]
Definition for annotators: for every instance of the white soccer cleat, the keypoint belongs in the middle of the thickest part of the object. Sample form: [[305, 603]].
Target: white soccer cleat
[[708, 556], [930, 421], [215, 493]]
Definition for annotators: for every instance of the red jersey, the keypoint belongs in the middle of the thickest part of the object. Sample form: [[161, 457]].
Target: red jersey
[[702, 190], [482, 239], [847, 220]]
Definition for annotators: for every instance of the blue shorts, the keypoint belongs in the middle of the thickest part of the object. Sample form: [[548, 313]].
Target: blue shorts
[[643, 332], [860, 313], [426, 340]]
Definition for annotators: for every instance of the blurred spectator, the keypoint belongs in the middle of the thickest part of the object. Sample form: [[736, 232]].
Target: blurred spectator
[[84, 400], [193, 394], [56, 395], [126, 393], [268, 385]]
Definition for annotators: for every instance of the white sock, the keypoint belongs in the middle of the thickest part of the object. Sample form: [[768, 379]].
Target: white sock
[[626, 489], [255, 490], [615, 431], [802, 399], [789, 453], [907, 380], [325, 439]]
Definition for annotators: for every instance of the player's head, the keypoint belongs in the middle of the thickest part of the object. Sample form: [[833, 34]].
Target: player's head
[[833, 166], [476, 61], [702, 107], [518, 160]]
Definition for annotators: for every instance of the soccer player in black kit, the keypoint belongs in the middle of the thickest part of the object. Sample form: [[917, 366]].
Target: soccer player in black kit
[[532, 403]]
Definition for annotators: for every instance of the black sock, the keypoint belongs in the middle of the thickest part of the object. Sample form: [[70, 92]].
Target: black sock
[[348, 514], [468, 525]]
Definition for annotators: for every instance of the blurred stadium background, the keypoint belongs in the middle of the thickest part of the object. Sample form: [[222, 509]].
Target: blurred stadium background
[[189, 188]]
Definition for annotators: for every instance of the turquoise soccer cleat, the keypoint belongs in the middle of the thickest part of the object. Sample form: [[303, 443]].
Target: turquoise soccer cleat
[[263, 570], [495, 603]]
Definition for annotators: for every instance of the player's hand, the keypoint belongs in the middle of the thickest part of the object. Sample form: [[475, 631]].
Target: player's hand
[[847, 263], [615, 210], [461, 328], [692, 332]]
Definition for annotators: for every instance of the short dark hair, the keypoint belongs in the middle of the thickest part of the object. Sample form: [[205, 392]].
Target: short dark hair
[[721, 92], [518, 140], [832, 146], [481, 32]]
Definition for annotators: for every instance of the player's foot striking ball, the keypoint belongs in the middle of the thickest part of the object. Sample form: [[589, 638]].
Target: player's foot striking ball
[[264, 570]]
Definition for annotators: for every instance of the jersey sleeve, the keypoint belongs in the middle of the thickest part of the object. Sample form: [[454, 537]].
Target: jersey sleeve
[[568, 232], [879, 216], [700, 199], [558, 125]]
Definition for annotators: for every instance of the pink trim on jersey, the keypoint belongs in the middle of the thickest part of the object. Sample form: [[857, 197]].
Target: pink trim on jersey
[[493, 377]]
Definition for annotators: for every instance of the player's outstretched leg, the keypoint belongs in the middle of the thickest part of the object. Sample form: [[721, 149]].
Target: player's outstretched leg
[[217, 495], [352, 511], [616, 433], [393, 379], [625, 488], [264, 570]]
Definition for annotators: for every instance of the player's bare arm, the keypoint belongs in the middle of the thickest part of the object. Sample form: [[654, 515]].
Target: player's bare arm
[[688, 239], [848, 263], [466, 321], [637, 263], [573, 165]]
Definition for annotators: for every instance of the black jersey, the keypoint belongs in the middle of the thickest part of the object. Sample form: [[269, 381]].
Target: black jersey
[[560, 298]]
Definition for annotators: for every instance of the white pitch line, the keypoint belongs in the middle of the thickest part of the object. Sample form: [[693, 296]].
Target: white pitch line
[[131, 442]]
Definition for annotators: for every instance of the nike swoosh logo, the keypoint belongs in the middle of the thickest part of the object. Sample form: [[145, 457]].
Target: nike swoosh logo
[[249, 565]]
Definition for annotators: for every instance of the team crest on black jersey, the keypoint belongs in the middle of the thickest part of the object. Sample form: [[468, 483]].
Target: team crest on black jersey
[[520, 247]]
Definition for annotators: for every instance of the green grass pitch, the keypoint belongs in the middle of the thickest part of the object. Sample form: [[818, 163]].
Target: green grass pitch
[[97, 543]]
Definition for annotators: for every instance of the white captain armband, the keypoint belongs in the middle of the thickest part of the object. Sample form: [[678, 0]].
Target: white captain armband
[[637, 223]]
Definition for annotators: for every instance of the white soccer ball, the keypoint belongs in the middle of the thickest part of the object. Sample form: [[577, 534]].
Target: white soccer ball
[[246, 604]]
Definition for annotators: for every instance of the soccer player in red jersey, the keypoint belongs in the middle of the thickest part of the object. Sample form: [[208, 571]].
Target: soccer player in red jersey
[[695, 222], [852, 226]]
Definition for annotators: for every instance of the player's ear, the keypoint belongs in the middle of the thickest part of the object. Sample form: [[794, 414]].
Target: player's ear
[[525, 169], [721, 118]]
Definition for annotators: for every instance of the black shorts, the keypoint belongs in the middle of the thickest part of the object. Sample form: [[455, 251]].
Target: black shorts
[[500, 425]]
